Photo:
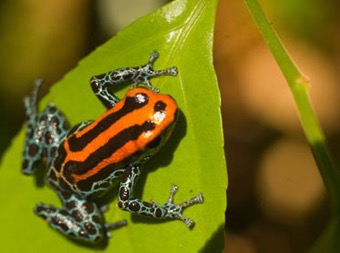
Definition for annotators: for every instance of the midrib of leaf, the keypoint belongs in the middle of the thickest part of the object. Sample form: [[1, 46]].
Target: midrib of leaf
[[188, 26]]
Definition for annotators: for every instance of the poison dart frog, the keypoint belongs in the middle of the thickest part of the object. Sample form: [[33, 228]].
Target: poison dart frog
[[85, 161]]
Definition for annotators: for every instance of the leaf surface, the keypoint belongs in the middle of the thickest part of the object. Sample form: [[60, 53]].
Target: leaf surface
[[182, 32]]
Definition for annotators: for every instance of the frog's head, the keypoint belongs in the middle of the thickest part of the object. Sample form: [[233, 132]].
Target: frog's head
[[156, 114]]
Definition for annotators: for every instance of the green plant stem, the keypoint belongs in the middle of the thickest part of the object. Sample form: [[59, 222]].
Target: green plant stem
[[300, 87]]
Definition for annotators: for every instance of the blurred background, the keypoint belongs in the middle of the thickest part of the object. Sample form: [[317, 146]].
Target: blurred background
[[276, 198]]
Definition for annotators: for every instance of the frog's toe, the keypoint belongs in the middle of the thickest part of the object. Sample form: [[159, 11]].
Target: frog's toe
[[44, 211], [115, 225]]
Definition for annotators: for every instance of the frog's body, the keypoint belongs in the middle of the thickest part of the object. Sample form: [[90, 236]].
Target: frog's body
[[87, 160]]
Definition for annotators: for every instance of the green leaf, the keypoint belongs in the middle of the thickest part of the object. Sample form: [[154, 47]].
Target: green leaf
[[182, 32]]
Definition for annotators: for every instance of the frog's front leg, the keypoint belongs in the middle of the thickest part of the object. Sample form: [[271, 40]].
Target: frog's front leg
[[137, 75], [168, 210], [78, 219]]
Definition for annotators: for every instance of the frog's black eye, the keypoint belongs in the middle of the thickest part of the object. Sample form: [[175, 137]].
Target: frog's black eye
[[159, 106], [154, 143]]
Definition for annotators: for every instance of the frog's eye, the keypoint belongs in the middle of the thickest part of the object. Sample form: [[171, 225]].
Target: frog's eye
[[159, 106], [141, 98], [154, 143]]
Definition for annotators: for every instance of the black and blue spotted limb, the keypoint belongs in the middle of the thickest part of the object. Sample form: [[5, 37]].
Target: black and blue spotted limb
[[44, 131], [136, 75], [87, 160]]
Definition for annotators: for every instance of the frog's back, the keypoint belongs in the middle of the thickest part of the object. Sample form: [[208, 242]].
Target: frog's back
[[93, 151]]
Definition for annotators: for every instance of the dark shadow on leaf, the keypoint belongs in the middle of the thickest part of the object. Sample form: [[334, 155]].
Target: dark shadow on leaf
[[40, 175], [95, 246], [216, 241], [164, 157]]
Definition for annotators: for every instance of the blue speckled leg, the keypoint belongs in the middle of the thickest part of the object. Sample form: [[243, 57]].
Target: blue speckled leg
[[44, 131], [137, 75], [167, 211], [79, 219]]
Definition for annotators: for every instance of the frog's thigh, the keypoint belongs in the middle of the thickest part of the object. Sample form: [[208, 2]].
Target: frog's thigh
[[44, 133], [79, 219]]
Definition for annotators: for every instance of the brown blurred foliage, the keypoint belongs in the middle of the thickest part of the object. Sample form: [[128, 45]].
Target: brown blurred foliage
[[276, 197]]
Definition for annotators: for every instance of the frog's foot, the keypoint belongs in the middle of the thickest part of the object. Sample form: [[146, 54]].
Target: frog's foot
[[167, 211], [147, 71], [174, 211], [85, 224], [31, 101]]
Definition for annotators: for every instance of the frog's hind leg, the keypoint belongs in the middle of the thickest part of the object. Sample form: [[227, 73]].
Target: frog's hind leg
[[44, 131], [79, 219]]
